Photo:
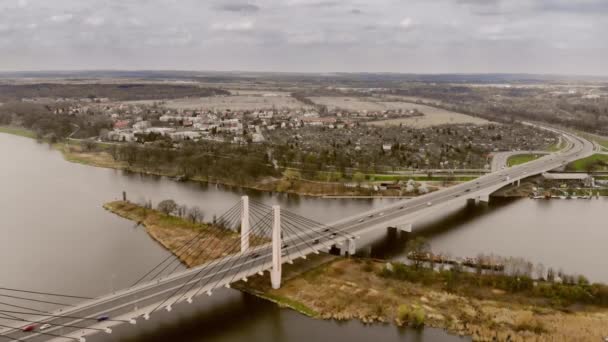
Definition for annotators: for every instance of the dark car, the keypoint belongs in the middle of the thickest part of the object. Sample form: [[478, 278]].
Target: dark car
[[103, 318]]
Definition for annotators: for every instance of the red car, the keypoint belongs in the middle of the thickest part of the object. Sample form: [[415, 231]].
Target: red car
[[30, 327]]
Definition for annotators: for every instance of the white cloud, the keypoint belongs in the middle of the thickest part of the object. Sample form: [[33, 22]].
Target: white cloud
[[239, 26], [94, 21], [61, 18], [406, 23]]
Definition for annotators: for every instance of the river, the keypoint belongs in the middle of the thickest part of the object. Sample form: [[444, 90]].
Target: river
[[57, 237]]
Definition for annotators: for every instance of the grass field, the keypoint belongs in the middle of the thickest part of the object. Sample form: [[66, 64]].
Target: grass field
[[522, 158], [592, 163], [18, 131], [432, 116], [394, 178]]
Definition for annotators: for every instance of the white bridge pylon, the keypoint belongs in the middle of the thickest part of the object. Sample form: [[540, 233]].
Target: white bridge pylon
[[276, 271], [245, 224]]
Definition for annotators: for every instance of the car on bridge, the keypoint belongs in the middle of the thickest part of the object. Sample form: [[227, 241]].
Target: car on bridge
[[29, 328], [103, 318]]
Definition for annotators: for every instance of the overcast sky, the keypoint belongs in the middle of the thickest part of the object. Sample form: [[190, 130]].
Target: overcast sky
[[410, 36]]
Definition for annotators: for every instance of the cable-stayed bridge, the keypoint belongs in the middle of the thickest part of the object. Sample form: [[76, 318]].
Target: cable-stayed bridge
[[269, 237]]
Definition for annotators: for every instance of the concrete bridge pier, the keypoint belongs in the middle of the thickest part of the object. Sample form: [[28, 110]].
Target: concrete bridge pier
[[348, 247], [275, 273], [406, 228], [245, 224], [482, 198]]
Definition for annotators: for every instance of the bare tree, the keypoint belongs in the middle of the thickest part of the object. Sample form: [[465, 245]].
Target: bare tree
[[418, 247], [182, 210], [195, 214], [167, 206]]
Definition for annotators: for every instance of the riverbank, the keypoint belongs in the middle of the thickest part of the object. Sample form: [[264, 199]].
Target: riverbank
[[97, 155], [173, 233], [367, 290], [484, 306]]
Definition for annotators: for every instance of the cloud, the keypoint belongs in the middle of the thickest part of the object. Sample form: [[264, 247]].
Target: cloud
[[61, 18], [307, 35], [406, 23], [239, 26], [239, 7], [94, 21]]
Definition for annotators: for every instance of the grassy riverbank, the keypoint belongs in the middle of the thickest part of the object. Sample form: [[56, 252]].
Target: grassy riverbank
[[17, 131], [464, 304], [174, 232]]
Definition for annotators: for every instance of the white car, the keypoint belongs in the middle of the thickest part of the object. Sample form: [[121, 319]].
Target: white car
[[429, 204], [45, 326]]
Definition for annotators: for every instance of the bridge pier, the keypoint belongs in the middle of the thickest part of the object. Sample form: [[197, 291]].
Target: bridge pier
[[275, 273], [245, 224], [348, 247], [483, 198]]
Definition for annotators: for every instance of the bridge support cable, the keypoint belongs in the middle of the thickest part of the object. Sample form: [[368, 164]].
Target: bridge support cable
[[308, 221], [258, 227], [42, 333], [321, 226], [23, 307], [236, 256], [297, 234], [172, 256], [35, 300], [14, 318], [45, 293], [239, 258], [198, 277], [201, 248], [294, 231], [228, 217], [303, 232], [63, 316], [211, 245]]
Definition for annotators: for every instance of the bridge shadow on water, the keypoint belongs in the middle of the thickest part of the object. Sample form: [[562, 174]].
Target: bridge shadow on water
[[391, 243]]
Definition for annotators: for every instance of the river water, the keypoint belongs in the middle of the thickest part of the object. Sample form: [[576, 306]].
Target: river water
[[55, 236]]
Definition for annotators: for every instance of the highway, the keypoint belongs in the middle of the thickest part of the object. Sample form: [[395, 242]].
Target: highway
[[131, 304]]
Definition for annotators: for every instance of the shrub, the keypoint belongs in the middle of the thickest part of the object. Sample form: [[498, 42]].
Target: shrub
[[533, 325], [415, 316], [403, 312]]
